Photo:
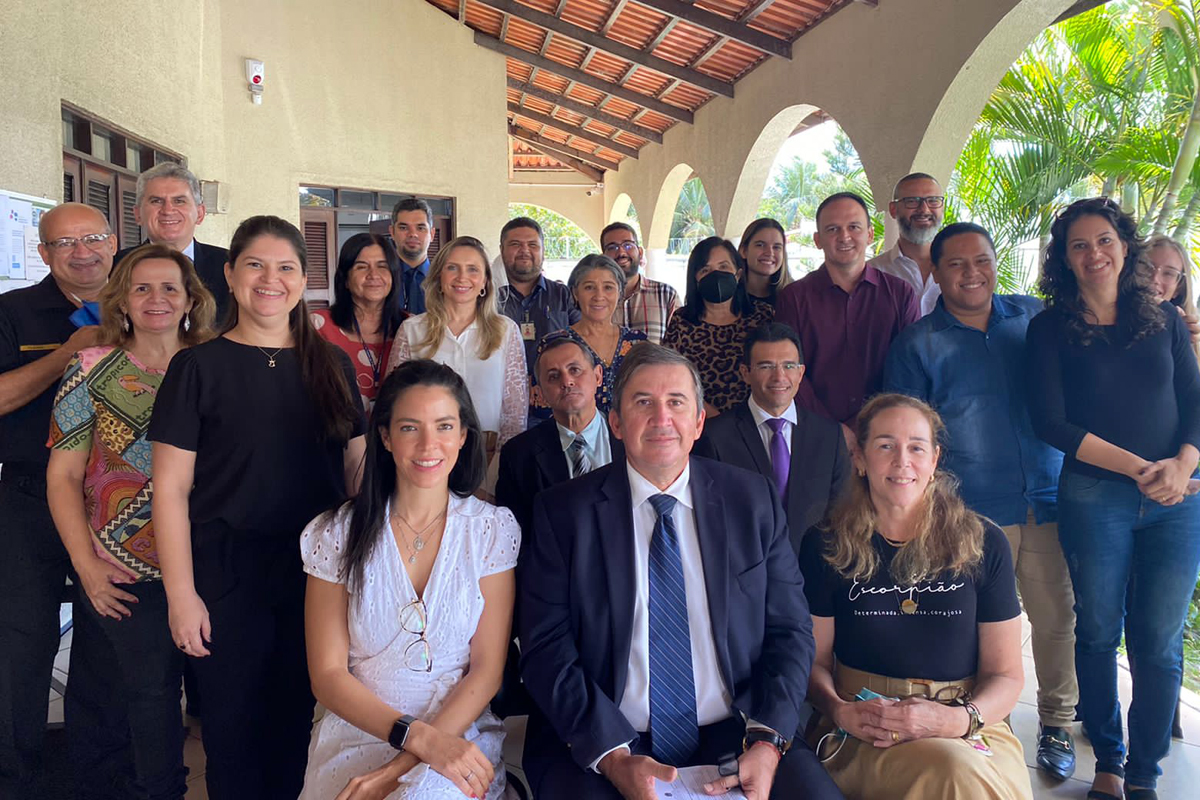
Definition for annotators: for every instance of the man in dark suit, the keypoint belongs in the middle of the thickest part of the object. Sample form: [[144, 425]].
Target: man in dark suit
[[662, 614], [170, 206], [573, 443], [803, 453]]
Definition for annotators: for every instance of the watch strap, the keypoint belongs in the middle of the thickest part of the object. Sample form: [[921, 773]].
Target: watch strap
[[755, 735]]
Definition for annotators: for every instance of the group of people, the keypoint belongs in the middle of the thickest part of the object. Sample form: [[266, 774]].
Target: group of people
[[667, 531]]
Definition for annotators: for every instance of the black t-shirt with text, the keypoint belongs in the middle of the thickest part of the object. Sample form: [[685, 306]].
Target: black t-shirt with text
[[940, 639]]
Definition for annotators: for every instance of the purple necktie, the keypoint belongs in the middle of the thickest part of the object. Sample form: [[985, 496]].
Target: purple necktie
[[780, 457]]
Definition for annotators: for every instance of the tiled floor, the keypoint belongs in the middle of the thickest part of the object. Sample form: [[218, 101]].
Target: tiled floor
[[1181, 768]]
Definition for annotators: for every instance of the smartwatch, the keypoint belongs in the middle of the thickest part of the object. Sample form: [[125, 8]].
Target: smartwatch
[[400, 729], [756, 735]]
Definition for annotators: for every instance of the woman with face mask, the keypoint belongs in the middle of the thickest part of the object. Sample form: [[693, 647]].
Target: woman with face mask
[[714, 321]]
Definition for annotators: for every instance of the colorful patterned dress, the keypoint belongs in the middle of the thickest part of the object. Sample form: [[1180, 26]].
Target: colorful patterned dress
[[103, 407]]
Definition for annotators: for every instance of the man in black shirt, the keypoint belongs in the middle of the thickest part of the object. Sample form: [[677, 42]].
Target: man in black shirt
[[37, 340]]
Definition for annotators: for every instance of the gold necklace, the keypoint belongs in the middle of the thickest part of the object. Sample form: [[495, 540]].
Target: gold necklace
[[270, 356]]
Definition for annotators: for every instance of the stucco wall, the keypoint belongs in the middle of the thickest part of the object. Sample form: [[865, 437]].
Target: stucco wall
[[375, 94]]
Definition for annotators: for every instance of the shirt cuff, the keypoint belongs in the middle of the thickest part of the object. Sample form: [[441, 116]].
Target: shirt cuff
[[595, 765]]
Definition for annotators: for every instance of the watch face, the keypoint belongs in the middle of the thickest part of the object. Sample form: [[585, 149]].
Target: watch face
[[399, 734]]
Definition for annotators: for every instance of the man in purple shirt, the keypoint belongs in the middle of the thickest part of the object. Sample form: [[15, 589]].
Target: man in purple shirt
[[846, 313]]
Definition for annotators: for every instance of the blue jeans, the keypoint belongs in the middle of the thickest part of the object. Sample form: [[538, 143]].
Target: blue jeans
[[1133, 566]]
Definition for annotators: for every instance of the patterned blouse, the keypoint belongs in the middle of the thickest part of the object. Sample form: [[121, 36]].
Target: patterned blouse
[[626, 339], [103, 408], [716, 350]]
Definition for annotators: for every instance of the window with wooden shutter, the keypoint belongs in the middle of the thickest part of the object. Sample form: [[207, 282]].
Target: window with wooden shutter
[[318, 227], [129, 233]]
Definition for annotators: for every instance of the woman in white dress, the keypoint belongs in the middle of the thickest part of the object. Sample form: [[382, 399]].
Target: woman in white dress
[[409, 607]]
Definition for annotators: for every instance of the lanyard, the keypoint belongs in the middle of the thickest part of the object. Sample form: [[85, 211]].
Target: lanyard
[[371, 357]]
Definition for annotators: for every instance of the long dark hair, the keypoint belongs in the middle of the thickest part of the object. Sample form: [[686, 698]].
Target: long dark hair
[[379, 469], [693, 304], [320, 367], [1138, 315], [342, 310], [782, 276]]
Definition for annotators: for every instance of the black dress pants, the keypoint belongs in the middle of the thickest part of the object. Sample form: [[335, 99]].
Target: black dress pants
[[258, 704], [799, 776], [123, 714], [33, 571]]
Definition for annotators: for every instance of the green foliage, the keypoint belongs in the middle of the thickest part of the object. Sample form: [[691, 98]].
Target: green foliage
[[563, 238], [692, 220]]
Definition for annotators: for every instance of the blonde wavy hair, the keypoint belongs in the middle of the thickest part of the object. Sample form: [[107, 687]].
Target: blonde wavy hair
[[491, 324], [949, 535], [1184, 296], [120, 281]]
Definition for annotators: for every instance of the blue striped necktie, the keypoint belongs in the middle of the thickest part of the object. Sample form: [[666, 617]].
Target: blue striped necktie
[[674, 733]]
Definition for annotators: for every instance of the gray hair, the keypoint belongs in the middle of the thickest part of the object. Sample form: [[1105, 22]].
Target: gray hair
[[648, 354], [169, 169], [596, 261]]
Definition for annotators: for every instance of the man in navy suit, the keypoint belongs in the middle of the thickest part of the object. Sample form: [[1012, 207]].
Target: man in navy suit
[[662, 614], [576, 441], [802, 453], [170, 206]]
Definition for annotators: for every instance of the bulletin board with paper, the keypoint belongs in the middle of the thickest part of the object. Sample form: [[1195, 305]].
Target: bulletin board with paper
[[20, 264]]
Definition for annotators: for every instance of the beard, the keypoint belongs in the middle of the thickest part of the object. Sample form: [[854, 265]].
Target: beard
[[911, 233]]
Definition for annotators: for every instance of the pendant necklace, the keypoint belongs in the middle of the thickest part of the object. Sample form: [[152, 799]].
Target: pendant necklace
[[418, 543], [908, 605], [270, 356]]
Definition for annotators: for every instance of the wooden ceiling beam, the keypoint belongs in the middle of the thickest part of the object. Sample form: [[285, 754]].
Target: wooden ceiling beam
[[599, 140], [585, 78], [558, 152], [721, 25], [638, 56], [612, 17], [591, 112]]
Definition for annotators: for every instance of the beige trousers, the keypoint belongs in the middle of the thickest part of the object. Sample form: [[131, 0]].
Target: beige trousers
[[1045, 588], [923, 769]]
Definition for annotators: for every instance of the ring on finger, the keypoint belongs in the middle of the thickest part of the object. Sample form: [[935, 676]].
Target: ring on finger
[[896, 737], [469, 775]]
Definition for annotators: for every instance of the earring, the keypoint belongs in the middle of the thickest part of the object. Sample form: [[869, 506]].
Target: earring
[[187, 322], [483, 292], [128, 324], [862, 473]]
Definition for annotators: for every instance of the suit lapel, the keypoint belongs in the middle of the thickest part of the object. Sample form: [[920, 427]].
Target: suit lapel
[[795, 487], [550, 458], [751, 438], [714, 552], [614, 528]]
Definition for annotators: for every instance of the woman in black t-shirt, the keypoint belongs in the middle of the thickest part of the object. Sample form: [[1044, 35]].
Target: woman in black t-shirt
[[255, 433], [913, 598]]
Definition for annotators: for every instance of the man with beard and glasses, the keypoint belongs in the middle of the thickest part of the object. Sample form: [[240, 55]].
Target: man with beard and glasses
[[648, 304], [412, 231], [539, 305], [918, 207]]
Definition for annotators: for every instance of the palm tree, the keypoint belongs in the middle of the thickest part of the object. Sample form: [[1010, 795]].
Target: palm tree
[[693, 218]]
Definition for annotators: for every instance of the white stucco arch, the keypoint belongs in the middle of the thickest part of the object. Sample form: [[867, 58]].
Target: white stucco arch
[[747, 193]]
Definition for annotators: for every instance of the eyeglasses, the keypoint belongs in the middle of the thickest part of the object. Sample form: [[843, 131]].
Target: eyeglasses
[[1170, 273], [414, 619], [933, 201], [93, 241], [628, 247], [768, 367]]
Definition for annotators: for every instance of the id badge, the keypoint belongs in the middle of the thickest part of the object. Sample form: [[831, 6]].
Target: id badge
[[528, 331]]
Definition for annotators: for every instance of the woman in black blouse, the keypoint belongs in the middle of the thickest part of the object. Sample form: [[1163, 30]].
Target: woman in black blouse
[[255, 432], [913, 598], [1115, 386]]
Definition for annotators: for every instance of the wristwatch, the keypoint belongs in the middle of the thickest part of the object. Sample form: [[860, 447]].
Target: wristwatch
[[400, 729], [976, 721], [756, 735]]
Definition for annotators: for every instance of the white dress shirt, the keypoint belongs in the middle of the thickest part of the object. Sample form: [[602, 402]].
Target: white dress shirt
[[764, 430], [894, 262], [190, 250], [712, 697], [499, 384], [595, 442]]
